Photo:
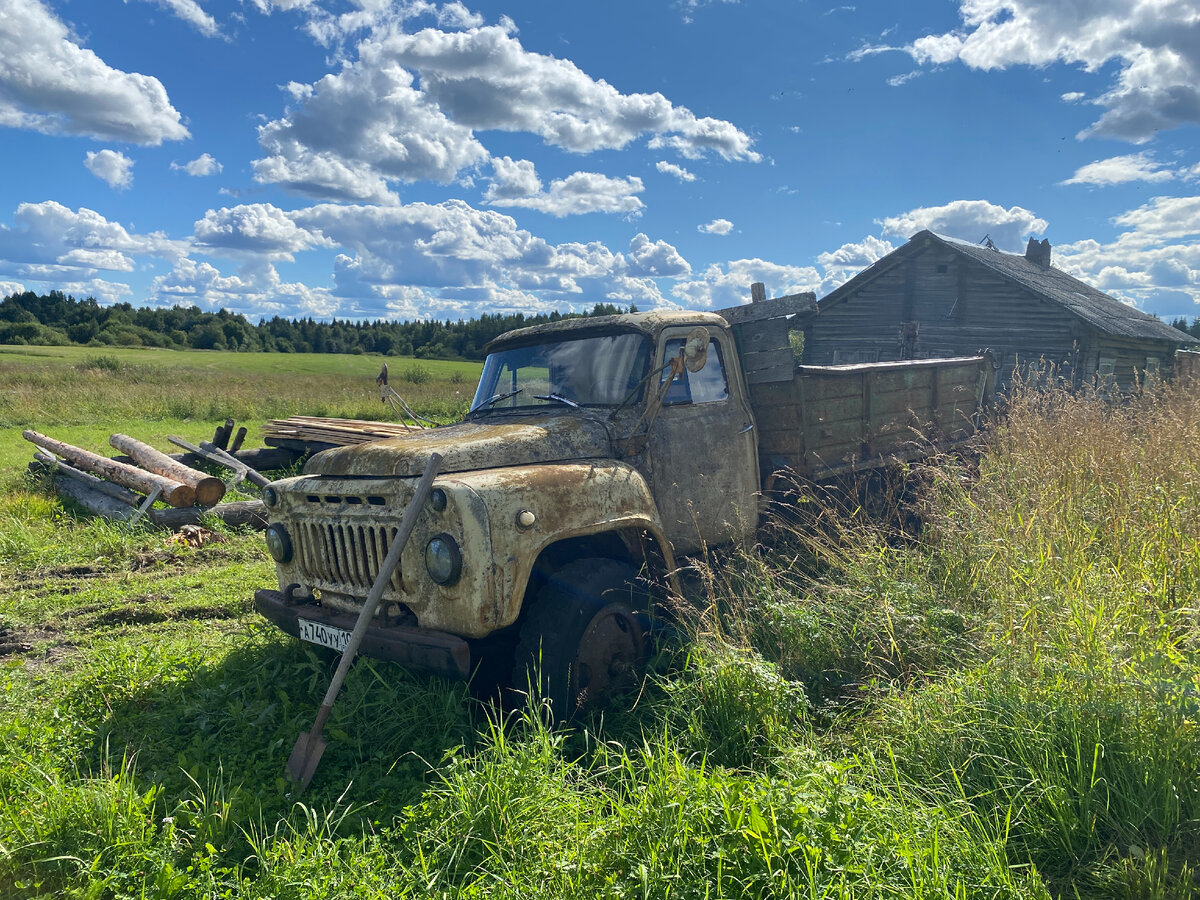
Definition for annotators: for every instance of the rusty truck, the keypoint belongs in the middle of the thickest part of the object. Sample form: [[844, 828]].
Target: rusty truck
[[598, 452]]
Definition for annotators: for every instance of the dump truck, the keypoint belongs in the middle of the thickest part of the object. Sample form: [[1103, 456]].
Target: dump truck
[[597, 454]]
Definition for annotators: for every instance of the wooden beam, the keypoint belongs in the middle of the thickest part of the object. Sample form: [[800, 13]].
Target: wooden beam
[[803, 305], [174, 493], [242, 512]]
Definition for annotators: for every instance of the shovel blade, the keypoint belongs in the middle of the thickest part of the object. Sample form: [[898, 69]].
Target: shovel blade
[[306, 755]]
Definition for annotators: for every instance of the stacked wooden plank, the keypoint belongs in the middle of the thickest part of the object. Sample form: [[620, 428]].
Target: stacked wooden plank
[[334, 432]]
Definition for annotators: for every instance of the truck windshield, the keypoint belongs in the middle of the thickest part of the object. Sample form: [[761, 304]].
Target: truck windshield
[[590, 371]]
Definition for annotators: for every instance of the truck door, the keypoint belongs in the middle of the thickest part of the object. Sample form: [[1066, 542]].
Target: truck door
[[703, 448]]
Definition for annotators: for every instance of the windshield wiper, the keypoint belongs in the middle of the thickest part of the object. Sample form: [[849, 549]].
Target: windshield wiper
[[559, 397], [495, 398]]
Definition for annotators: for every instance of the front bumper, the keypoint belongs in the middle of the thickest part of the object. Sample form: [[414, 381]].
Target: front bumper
[[413, 648]]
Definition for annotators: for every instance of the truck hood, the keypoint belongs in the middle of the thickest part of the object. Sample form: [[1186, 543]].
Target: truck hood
[[469, 446]]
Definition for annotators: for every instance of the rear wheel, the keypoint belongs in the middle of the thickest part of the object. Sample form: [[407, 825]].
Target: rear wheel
[[584, 638]]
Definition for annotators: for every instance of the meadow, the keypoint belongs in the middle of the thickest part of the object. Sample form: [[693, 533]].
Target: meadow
[[1002, 705]]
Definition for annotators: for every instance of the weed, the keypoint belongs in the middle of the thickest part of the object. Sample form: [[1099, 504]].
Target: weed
[[416, 374]]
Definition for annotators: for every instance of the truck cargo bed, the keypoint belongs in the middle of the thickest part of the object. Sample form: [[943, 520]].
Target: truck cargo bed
[[830, 420]]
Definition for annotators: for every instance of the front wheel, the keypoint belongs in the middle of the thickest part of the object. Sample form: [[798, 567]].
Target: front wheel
[[584, 638]]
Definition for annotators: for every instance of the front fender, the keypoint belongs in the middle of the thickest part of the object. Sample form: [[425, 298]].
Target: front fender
[[567, 500]]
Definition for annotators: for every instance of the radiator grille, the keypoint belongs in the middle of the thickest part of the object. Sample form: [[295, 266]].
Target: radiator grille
[[344, 557]]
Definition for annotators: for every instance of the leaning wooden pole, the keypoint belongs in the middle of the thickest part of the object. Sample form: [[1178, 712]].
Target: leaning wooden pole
[[209, 490], [173, 492]]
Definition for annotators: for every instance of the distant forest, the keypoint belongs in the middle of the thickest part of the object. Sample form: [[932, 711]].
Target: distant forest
[[1192, 329], [58, 319]]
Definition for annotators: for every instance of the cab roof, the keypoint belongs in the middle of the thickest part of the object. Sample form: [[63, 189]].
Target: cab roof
[[648, 323]]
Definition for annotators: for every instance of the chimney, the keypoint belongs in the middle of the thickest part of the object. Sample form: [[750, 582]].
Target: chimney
[[758, 292], [1038, 253]]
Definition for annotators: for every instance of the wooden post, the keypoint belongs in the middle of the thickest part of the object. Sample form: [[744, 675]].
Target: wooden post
[[209, 490], [174, 493], [221, 438]]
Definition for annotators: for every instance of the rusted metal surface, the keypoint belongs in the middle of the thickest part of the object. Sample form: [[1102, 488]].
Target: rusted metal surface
[[340, 527], [469, 446]]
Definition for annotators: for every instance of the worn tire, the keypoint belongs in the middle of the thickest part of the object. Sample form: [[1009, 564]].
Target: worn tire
[[584, 637]]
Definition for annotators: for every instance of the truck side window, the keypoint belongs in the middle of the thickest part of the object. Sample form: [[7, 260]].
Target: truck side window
[[706, 386]]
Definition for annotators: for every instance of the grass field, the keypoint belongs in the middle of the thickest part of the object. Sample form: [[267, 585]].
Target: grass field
[[1004, 707]]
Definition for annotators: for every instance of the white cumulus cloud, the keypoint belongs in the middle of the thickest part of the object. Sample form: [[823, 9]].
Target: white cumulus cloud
[[969, 220], [50, 84], [112, 166], [202, 165], [719, 286], [257, 229], [655, 259], [1122, 169], [193, 13], [716, 226], [670, 168], [1154, 45], [352, 132], [52, 247], [483, 78], [579, 193]]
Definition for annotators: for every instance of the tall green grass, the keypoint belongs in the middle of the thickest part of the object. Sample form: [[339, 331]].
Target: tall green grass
[[1002, 703]]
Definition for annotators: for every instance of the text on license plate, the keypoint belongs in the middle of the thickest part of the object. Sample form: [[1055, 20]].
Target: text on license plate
[[325, 635]]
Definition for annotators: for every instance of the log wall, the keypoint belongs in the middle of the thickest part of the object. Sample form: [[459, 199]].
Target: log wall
[[961, 308]]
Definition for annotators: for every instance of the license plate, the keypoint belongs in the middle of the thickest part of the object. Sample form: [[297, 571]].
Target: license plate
[[325, 635]]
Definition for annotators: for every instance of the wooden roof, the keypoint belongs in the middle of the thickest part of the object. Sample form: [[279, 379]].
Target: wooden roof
[[1098, 309]]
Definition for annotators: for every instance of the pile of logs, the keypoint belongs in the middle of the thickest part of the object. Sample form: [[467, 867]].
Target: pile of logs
[[126, 488]]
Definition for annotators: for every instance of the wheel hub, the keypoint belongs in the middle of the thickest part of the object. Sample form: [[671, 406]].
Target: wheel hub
[[610, 652]]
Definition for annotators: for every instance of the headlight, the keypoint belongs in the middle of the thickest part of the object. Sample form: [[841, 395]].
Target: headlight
[[279, 543], [270, 496], [443, 560]]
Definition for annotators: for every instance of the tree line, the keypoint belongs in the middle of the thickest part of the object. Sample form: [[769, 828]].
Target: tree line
[[1193, 329], [59, 319]]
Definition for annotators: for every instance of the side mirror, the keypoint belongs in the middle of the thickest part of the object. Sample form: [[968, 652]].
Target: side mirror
[[695, 349]]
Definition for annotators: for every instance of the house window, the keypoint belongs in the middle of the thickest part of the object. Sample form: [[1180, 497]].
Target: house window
[[1106, 371], [1153, 365], [941, 269]]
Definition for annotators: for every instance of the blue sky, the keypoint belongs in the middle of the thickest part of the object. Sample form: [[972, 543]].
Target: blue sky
[[403, 158]]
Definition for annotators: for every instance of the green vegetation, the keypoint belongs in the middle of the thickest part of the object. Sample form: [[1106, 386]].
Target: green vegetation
[[56, 319], [1003, 706]]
